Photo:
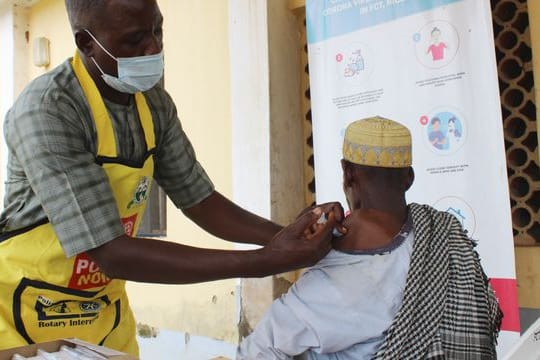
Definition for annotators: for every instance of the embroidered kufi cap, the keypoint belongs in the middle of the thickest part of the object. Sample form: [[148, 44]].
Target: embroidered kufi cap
[[377, 141]]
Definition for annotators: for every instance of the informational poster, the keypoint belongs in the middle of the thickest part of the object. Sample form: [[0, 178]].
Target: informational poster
[[429, 64]]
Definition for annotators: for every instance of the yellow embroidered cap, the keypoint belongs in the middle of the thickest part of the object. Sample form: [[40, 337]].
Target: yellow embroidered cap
[[377, 141]]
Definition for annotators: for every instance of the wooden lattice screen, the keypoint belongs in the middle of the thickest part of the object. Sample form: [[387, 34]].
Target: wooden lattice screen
[[516, 84]]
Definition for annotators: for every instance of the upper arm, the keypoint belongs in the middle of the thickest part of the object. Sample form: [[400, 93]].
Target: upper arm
[[177, 170], [291, 326], [280, 334]]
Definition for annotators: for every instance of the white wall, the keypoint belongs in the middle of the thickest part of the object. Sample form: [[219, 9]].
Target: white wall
[[6, 81], [267, 132], [250, 106], [250, 109], [14, 72]]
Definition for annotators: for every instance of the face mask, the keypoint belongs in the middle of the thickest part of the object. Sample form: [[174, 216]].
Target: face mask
[[139, 73]]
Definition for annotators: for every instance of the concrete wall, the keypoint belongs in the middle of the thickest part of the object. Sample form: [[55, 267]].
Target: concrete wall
[[287, 129], [6, 80], [250, 104], [267, 128], [14, 75]]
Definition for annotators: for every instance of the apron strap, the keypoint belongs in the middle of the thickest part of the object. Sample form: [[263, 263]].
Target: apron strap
[[105, 134]]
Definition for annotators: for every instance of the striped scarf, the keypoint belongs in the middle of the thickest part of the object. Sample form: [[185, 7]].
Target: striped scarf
[[449, 310]]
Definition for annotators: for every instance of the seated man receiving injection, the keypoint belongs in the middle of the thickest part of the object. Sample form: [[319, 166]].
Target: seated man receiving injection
[[404, 282]]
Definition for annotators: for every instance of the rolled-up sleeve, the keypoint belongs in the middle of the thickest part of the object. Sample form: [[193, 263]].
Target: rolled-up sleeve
[[178, 171]]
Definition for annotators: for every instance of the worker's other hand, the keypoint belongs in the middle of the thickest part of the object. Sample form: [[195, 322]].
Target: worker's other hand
[[305, 241]]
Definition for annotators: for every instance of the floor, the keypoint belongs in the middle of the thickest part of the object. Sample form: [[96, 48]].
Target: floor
[[169, 345]]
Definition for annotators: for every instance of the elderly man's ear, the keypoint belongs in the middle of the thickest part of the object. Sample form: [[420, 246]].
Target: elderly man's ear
[[348, 175], [410, 179]]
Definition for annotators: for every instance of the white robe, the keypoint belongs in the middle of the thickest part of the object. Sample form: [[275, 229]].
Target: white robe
[[338, 309]]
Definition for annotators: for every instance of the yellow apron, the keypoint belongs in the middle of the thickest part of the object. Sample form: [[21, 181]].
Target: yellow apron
[[43, 295]]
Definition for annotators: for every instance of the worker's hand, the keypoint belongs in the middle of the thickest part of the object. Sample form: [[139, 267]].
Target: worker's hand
[[334, 207], [326, 208], [305, 241]]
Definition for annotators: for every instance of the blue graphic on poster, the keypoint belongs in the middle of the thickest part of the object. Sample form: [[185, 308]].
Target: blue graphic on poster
[[354, 64], [345, 16], [461, 210], [445, 131]]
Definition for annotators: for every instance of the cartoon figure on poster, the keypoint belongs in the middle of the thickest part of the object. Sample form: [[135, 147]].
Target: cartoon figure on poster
[[445, 131], [353, 64], [453, 133], [436, 44], [437, 138]]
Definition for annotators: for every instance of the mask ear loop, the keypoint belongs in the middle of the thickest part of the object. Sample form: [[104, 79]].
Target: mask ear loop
[[99, 67], [101, 46]]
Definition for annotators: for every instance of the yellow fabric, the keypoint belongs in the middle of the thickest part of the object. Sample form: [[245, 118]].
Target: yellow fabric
[[377, 141], [43, 295]]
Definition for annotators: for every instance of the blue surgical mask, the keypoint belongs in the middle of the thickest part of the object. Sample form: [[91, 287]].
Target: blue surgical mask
[[138, 73]]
